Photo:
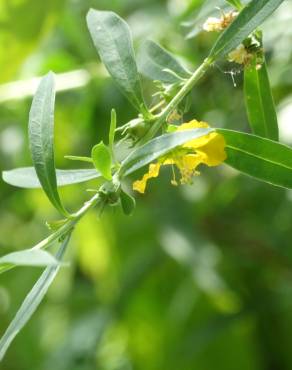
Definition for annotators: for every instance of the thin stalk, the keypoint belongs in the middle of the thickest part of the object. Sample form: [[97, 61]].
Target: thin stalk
[[157, 106], [71, 222], [187, 87]]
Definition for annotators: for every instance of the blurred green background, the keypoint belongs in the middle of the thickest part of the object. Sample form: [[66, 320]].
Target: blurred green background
[[200, 277]]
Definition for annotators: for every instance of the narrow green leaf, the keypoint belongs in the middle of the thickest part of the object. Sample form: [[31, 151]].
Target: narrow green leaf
[[236, 3], [128, 203], [244, 24], [264, 159], [112, 130], [26, 177], [112, 38], [157, 147], [41, 138], [31, 302], [28, 257], [152, 61], [102, 160], [78, 158], [259, 102]]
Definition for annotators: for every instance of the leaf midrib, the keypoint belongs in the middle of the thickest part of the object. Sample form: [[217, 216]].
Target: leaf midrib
[[51, 187], [258, 157], [121, 60]]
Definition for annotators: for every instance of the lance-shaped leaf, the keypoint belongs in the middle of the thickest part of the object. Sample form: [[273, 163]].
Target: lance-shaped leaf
[[157, 147], [112, 130], [26, 177], [244, 24], [236, 3], [31, 302], [112, 38], [41, 138], [258, 157], [152, 61], [27, 257], [259, 101]]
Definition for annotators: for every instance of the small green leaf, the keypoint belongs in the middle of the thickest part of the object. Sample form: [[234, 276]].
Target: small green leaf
[[26, 177], [28, 257], [102, 160], [78, 158], [157, 147], [152, 61], [112, 130], [128, 203], [259, 101], [252, 15], [264, 159], [31, 302], [112, 38], [55, 225], [41, 138]]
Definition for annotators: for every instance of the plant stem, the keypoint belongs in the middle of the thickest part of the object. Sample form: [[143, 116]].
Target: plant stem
[[71, 222], [190, 83]]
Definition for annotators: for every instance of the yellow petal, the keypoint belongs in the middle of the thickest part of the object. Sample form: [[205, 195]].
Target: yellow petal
[[192, 124], [213, 152], [185, 162], [191, 161], [198, 142], [140, 185]]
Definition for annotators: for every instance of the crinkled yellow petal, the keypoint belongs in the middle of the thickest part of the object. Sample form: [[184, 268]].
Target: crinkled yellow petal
[[208, 149], [140, 185], [188, 161], [211, 146], [198, 142], [191, 161], [192, 124], [213, 152]]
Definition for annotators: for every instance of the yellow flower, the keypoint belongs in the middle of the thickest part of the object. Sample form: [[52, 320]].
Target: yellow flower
[[207, 149]]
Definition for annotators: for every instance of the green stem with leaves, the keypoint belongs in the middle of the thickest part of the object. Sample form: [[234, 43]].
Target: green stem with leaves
[[183, 92], [70, 223]]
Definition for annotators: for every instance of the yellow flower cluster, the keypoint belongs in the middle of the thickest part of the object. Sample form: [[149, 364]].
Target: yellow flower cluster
[[207, 149]]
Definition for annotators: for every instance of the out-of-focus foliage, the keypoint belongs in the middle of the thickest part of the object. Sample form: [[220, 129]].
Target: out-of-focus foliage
[[200, 276]]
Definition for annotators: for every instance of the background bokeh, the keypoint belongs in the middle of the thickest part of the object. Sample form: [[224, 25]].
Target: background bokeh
[[200, 277]]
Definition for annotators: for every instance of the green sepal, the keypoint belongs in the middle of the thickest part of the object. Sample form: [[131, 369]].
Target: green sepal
[[128, 203]]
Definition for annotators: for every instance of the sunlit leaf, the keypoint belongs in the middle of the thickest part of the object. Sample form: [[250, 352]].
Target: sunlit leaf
[[259, 102], [258, 157], [244, 24], [26, 177], [31, 302], [157, 147], [41, 138], [153, 60], [28, 257], [112, 38]]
